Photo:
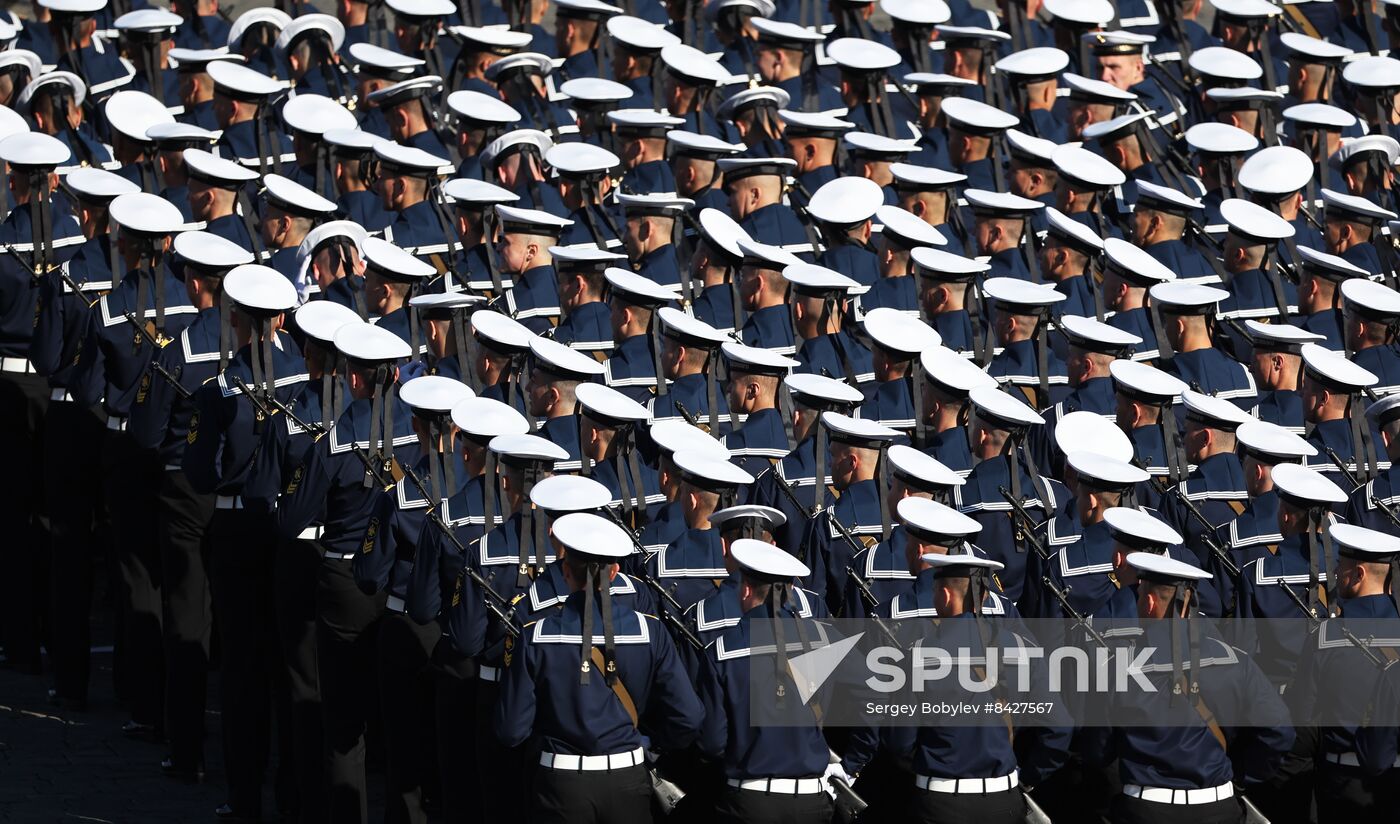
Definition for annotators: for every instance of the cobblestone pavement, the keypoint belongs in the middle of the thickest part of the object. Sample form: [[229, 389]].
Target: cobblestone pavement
[[69, 766], [65, 766]]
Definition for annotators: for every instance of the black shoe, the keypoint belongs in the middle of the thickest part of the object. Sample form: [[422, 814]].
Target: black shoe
[[192, 775]]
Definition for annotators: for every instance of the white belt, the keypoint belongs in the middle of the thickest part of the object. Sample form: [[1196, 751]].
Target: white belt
[[228, 502], [311, 533], [1166, 795], [592, 763], [173, 467], [973, 786], [58, 395], [21, 365], [781, 786], [1349, 759], [491, 674], [394, 603], [337, 556], [116, 424]]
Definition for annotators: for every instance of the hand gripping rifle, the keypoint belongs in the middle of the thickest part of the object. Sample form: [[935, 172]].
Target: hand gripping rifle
[[671, 611], [496, 604], [849, 805], [1027, 525]]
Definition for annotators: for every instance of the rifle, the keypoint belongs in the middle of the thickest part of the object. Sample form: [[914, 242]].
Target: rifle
[[270, 405], [1079, 619], [156, 366], [667, 794], [1337, 459], [1025, 523], [691, 419], [872, 604], [1387, 509], [848, 804], [35, 274], [1208, 535], [686, 413], [318, 430], [497, 605], [1034, 813], [1380, 661], [1251, 812], [672, 610], [788, 492]]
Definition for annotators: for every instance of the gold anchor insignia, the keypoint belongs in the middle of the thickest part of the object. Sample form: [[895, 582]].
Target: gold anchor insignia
[[158, 336]]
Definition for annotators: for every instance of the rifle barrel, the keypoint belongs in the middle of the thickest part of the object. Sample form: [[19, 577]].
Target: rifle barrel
[[1208, 535], [495, 603], [872, 603], [1028, 524], [1079, 619]]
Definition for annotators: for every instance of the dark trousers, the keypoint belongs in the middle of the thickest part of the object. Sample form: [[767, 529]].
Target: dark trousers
[[1007, 807], [1345, 795], [454, 703], [503, 769], [183, 516], [887, 787], [1079, 790], [405, 698], [240, 579], [604, 797], [294, 591], [345, 642], [73, 500], [1287, 796], [23, 399], [1136, 811], [131, 477], [753, 807]]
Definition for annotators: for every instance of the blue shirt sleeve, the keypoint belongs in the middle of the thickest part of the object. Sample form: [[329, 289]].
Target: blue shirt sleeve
[[515, 710], [304, 498]]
